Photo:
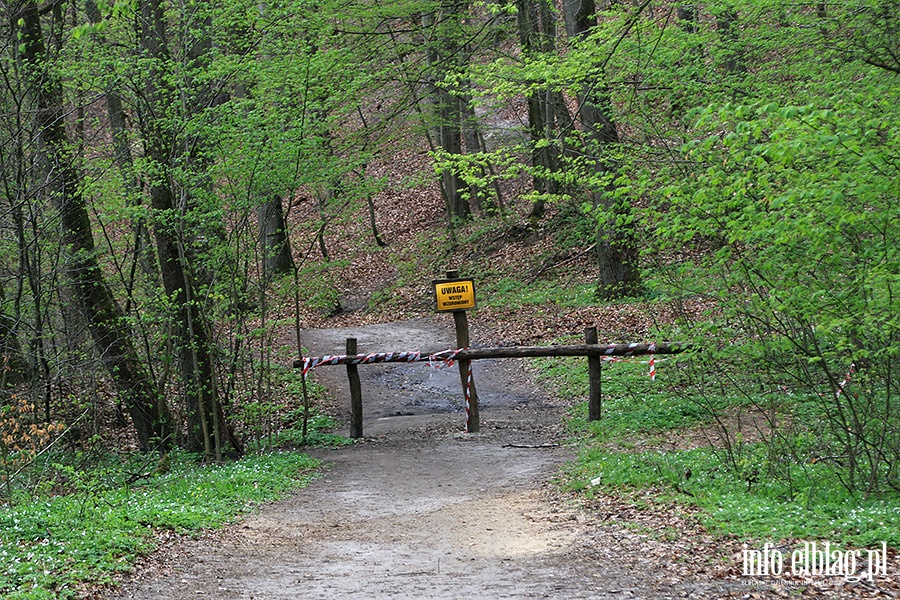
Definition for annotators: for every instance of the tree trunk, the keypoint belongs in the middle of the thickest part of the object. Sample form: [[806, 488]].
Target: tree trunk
[[617, 252], [444, 61], [729, 28], [124, 160], [687, 17], [537, 34], [274, 243], [14, 368], [193, 344], [451, 143], [101, 311]]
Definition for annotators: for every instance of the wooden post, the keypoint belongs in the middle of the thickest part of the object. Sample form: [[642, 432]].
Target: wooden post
[[595, 405], [356, 410], [461, 321]]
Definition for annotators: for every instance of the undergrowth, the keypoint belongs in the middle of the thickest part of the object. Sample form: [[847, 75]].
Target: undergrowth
[[73, 519], [278, 421], [655, 436], [55, 544]]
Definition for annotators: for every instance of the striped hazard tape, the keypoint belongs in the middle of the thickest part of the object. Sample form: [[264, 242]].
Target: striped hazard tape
[[447, 357], [438, 359]]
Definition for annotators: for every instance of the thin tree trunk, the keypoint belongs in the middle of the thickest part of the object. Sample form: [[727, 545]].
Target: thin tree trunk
[[728, 28], [443, 60], [361, 173], [193, 342], [373, 224], [471, 143], [537, 32], [14, 369], [124, 160]]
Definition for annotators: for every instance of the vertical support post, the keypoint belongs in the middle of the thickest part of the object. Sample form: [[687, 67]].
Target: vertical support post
[[461, 321], [595, 400], [356, 410]]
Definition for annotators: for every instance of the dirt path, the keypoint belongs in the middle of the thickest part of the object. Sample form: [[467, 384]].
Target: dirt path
[[419, 509]]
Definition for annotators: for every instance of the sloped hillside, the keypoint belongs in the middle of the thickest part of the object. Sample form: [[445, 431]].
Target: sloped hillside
[[534, 280]]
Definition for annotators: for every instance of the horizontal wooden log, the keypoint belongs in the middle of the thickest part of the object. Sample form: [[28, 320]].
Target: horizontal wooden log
[[518, 352], [572, 350]]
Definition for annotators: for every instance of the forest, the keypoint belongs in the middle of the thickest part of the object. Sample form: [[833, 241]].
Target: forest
[[174, 175]]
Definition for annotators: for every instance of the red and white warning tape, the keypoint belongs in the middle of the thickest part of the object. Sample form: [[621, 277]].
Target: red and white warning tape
[[651, 350], [438, 359], [447, 356], [468, 394]]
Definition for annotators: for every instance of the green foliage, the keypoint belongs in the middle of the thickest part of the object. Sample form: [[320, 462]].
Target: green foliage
[[759, 156], [508, 293], [763, 155], [742, 504], [574, 227], [794, 207], [632, 403], [274, 419], [320, 291], [654, 436], [318, 434], [52, 545]]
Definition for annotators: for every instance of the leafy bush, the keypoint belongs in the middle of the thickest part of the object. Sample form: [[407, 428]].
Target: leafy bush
[[20, 439], [790, 214]]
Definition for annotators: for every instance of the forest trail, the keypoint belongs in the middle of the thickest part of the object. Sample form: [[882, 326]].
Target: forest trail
[[419, 509]]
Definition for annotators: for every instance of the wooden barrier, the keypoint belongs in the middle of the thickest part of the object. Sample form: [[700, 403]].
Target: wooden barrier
[[499, 352], [463, 356]]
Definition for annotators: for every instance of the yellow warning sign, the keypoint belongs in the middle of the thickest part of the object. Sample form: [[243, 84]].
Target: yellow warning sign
[[454, 294]]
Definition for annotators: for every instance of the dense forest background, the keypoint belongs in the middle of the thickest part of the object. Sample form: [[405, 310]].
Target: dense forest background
[[173, 174]]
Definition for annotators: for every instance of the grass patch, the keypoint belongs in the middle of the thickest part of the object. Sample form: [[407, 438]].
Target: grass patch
[[745, 504], [318, 431], [751, 489], [509, 293], [50, 546], [632, 403]]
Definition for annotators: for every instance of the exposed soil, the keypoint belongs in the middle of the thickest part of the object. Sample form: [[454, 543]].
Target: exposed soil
[[419, 509]]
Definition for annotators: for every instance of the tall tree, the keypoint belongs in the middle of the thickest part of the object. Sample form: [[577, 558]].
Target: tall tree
[[445, 53], [276, 248], [536, 23], [123, 157], [165, 149], [617, 252], [14, 368], [100, 309], [728, 27]]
